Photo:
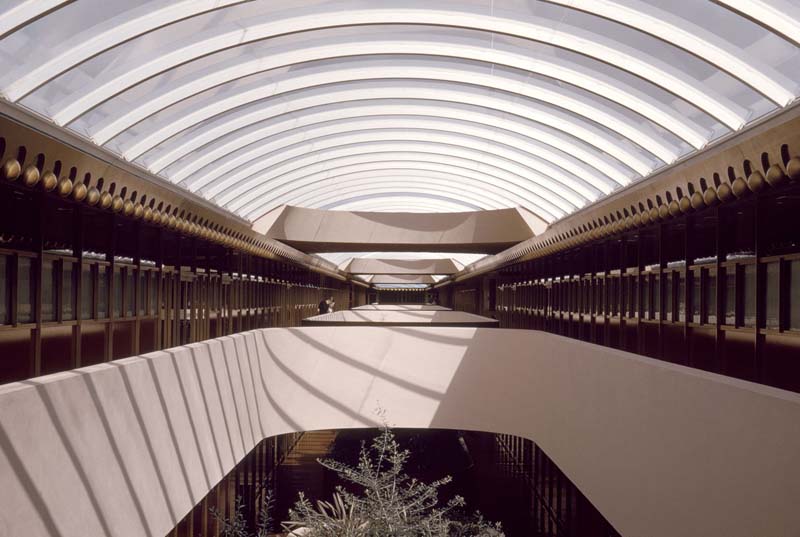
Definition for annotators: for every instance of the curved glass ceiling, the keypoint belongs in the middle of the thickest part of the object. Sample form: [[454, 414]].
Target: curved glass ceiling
[[443, 105]]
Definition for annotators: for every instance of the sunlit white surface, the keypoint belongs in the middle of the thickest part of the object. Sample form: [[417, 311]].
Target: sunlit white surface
[[340, 258], [684, 452]]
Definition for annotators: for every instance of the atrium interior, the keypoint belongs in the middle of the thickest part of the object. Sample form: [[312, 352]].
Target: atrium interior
[[552, 245]]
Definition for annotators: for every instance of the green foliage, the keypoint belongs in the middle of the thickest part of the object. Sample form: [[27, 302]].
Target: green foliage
[[392, 504], [236, 526]]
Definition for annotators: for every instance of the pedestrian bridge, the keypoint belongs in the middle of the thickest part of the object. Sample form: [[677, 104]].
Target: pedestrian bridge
[[127, 448]]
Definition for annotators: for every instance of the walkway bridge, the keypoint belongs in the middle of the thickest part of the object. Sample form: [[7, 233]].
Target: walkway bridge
[[126, 448]]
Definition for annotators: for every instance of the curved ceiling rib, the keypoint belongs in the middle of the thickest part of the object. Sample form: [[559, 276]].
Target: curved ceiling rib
[[500, 191], [558, 188], [562, 186], [376, 104], [433, 97], [677, 31], [563, 98], [338, 185], [780, 16], [399, 129], [625, 96], [452, 167], [538, 197], [370, 186], [90, 43], [577, 40], [26, 12], [225, 153], [695, 39], [563, 71], [409, 188]]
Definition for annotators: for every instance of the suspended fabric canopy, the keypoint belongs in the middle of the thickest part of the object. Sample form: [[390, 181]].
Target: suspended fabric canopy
[[399, 105]]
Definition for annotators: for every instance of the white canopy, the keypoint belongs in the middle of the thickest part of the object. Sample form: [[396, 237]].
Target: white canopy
[[398, 105]]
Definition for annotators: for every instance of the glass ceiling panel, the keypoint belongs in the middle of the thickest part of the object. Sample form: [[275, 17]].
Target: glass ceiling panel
[[222, 157], [547, 104], [265, 89], [419, 92]]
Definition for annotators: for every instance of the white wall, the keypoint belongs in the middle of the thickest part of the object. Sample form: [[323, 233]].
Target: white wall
[[127, 448]]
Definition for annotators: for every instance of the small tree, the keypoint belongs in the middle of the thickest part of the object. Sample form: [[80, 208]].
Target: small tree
[[392, 503], [236, 525]]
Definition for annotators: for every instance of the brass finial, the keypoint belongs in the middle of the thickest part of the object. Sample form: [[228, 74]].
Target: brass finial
[[11, 169], [30, 176], [64, 187]]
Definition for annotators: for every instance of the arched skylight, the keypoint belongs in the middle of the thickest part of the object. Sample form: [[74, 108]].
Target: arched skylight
[[443, 105]]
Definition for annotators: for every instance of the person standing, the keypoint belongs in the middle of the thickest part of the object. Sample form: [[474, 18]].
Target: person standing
[[326, 306]]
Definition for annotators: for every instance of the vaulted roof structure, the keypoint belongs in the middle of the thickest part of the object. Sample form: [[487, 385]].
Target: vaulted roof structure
[[378, 105]]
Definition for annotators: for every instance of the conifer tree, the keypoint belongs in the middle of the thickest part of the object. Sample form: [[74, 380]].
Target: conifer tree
[[391, 503]]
